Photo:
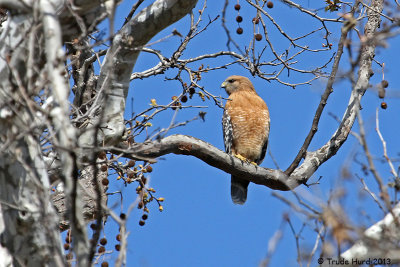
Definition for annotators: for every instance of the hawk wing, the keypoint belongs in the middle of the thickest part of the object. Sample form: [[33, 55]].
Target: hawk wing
[[263, 152], [265, 145], [227, 131]]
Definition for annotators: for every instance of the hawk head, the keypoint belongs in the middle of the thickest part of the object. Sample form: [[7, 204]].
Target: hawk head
[[236, 83]]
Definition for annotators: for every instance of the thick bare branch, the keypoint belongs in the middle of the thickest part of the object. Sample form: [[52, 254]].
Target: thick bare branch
[[65, 132], [187, 145], [30, 231]]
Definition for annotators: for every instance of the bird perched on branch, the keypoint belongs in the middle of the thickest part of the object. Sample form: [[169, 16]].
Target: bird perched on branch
[[245, 124]]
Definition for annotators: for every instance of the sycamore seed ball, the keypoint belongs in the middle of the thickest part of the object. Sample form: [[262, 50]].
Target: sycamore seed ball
[[101, 249], [149, 168], [102, 155], [131, 163], [184, 99], [103, 168]]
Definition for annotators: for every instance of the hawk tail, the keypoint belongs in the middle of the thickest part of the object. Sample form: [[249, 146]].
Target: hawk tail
[[239, 190]]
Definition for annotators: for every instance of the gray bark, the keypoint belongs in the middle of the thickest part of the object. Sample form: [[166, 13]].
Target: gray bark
[[29, 223]]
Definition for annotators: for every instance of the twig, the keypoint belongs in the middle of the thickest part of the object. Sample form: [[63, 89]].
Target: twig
[[382, 188], [315, 245], [371, 193], [392, 169], [133, 10], [297, 237]]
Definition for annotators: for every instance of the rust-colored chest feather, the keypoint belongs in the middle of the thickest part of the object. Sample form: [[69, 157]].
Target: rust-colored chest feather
[[249, 118]]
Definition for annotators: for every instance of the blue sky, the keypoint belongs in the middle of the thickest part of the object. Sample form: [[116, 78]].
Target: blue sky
[[200, 226]]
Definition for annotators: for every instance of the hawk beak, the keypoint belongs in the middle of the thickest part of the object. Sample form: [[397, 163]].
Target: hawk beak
[[223, 85]]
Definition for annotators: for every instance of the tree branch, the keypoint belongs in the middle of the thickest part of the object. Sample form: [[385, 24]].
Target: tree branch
[[187, 145]]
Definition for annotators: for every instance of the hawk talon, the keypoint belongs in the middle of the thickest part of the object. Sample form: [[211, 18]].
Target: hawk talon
[[240, 157], [244, 159]]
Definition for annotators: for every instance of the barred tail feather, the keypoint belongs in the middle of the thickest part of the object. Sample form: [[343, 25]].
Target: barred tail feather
[[239, 190]]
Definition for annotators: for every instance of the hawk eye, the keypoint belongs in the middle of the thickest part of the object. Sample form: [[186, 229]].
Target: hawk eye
[[231, 80]]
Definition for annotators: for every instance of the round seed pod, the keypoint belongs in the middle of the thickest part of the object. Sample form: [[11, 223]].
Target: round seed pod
[[101, 249], [149, 168], [102, 155], [104, 168], [103, 241]]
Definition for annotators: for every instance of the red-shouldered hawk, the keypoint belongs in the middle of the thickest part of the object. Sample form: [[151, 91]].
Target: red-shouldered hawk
[[245, 126]]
